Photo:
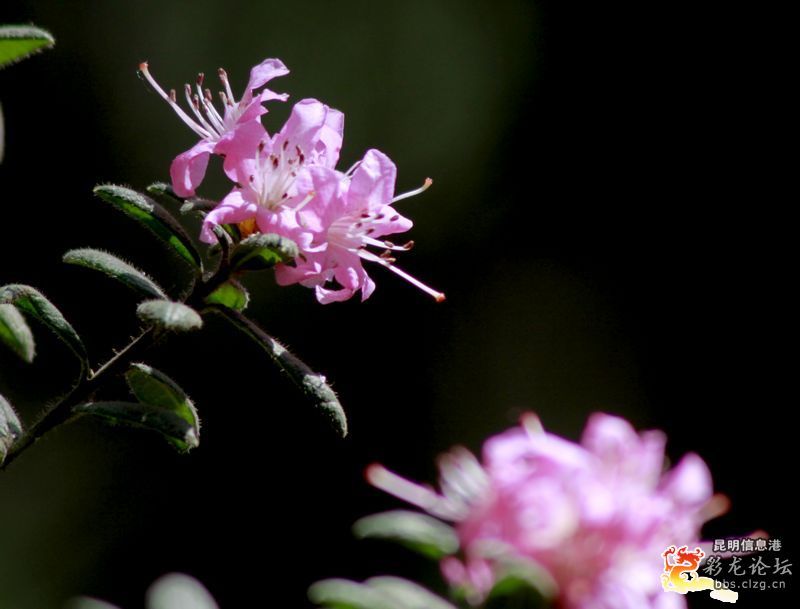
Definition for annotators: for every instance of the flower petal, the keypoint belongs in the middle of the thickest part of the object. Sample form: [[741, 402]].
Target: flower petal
[[189, 168], [373, 181], [689, 482], [231, 210]]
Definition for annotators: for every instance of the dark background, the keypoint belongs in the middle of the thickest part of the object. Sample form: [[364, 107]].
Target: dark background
[[608, 220]]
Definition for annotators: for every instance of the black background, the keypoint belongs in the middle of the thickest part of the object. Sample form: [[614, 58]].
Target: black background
[[610, 220]]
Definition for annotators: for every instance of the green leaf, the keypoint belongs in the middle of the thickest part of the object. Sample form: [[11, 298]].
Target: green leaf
[[407, 594], [201, 206], [84, 602], [375, 593], [164, 192], [346, 594], [15, 333], [262, 251], [154, 217], [2, 135], [177, 591], [20, 41], [116, 269], [10, 427], [153, 387], [31, 301], [231, 294], [176, 430], [420, 532], [168, 315], [313, 384]]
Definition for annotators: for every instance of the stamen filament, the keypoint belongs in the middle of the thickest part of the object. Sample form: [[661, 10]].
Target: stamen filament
[[199, 130], [223, 76], [414, 193], [438, 296]]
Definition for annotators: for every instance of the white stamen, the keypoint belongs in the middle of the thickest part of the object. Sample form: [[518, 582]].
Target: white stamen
[[305, 201], [223, 76], [193, 125], [438, 296], [414, 193], [353, 167], [415, 494]]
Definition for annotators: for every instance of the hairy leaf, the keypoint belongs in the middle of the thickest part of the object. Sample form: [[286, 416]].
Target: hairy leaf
[[168, 315], [262, 251], [151, 386], [231, 294], [154, 217], [177, 431], [177, 591], [407, 594], [116, 269], [15, 333], [10, 427], [346, 594], [20, 41], [29, 300], [420, 532]]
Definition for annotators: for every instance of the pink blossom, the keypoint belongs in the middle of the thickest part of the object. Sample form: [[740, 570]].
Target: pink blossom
[[217, 131], [268, 169], [594, 517], [348, 214]]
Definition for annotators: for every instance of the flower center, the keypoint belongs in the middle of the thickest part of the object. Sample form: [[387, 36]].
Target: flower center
[[274, 175]]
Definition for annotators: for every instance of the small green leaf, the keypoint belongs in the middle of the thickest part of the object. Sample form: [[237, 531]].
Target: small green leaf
[[153, 387], [31, 301], [313, 384], [420, 532], [168, 315], [201, 206], [231, 294], [346, 594], [10, 427], [262, 251], [15, 333], [164, 193], [154, 217], [177, 591], [20, 41], [407, 594], [84, 602], [173, 427], [2, 135], [116, 269]]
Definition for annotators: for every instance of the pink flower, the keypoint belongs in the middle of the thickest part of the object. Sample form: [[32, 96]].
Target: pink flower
[[594, 517], [268, 169], [347, 215], [217, 131]]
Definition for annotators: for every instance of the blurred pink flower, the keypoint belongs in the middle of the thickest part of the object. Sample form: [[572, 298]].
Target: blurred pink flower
[[217, 131], [594, 517], [347, 215]]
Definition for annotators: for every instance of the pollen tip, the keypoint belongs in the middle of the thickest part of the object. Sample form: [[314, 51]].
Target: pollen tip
[[440, 297], [428, 183], [374, 473], [143, 66]]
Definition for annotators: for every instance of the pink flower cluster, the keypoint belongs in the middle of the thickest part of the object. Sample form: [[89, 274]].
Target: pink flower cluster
[[286, 183], [594, 518]]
